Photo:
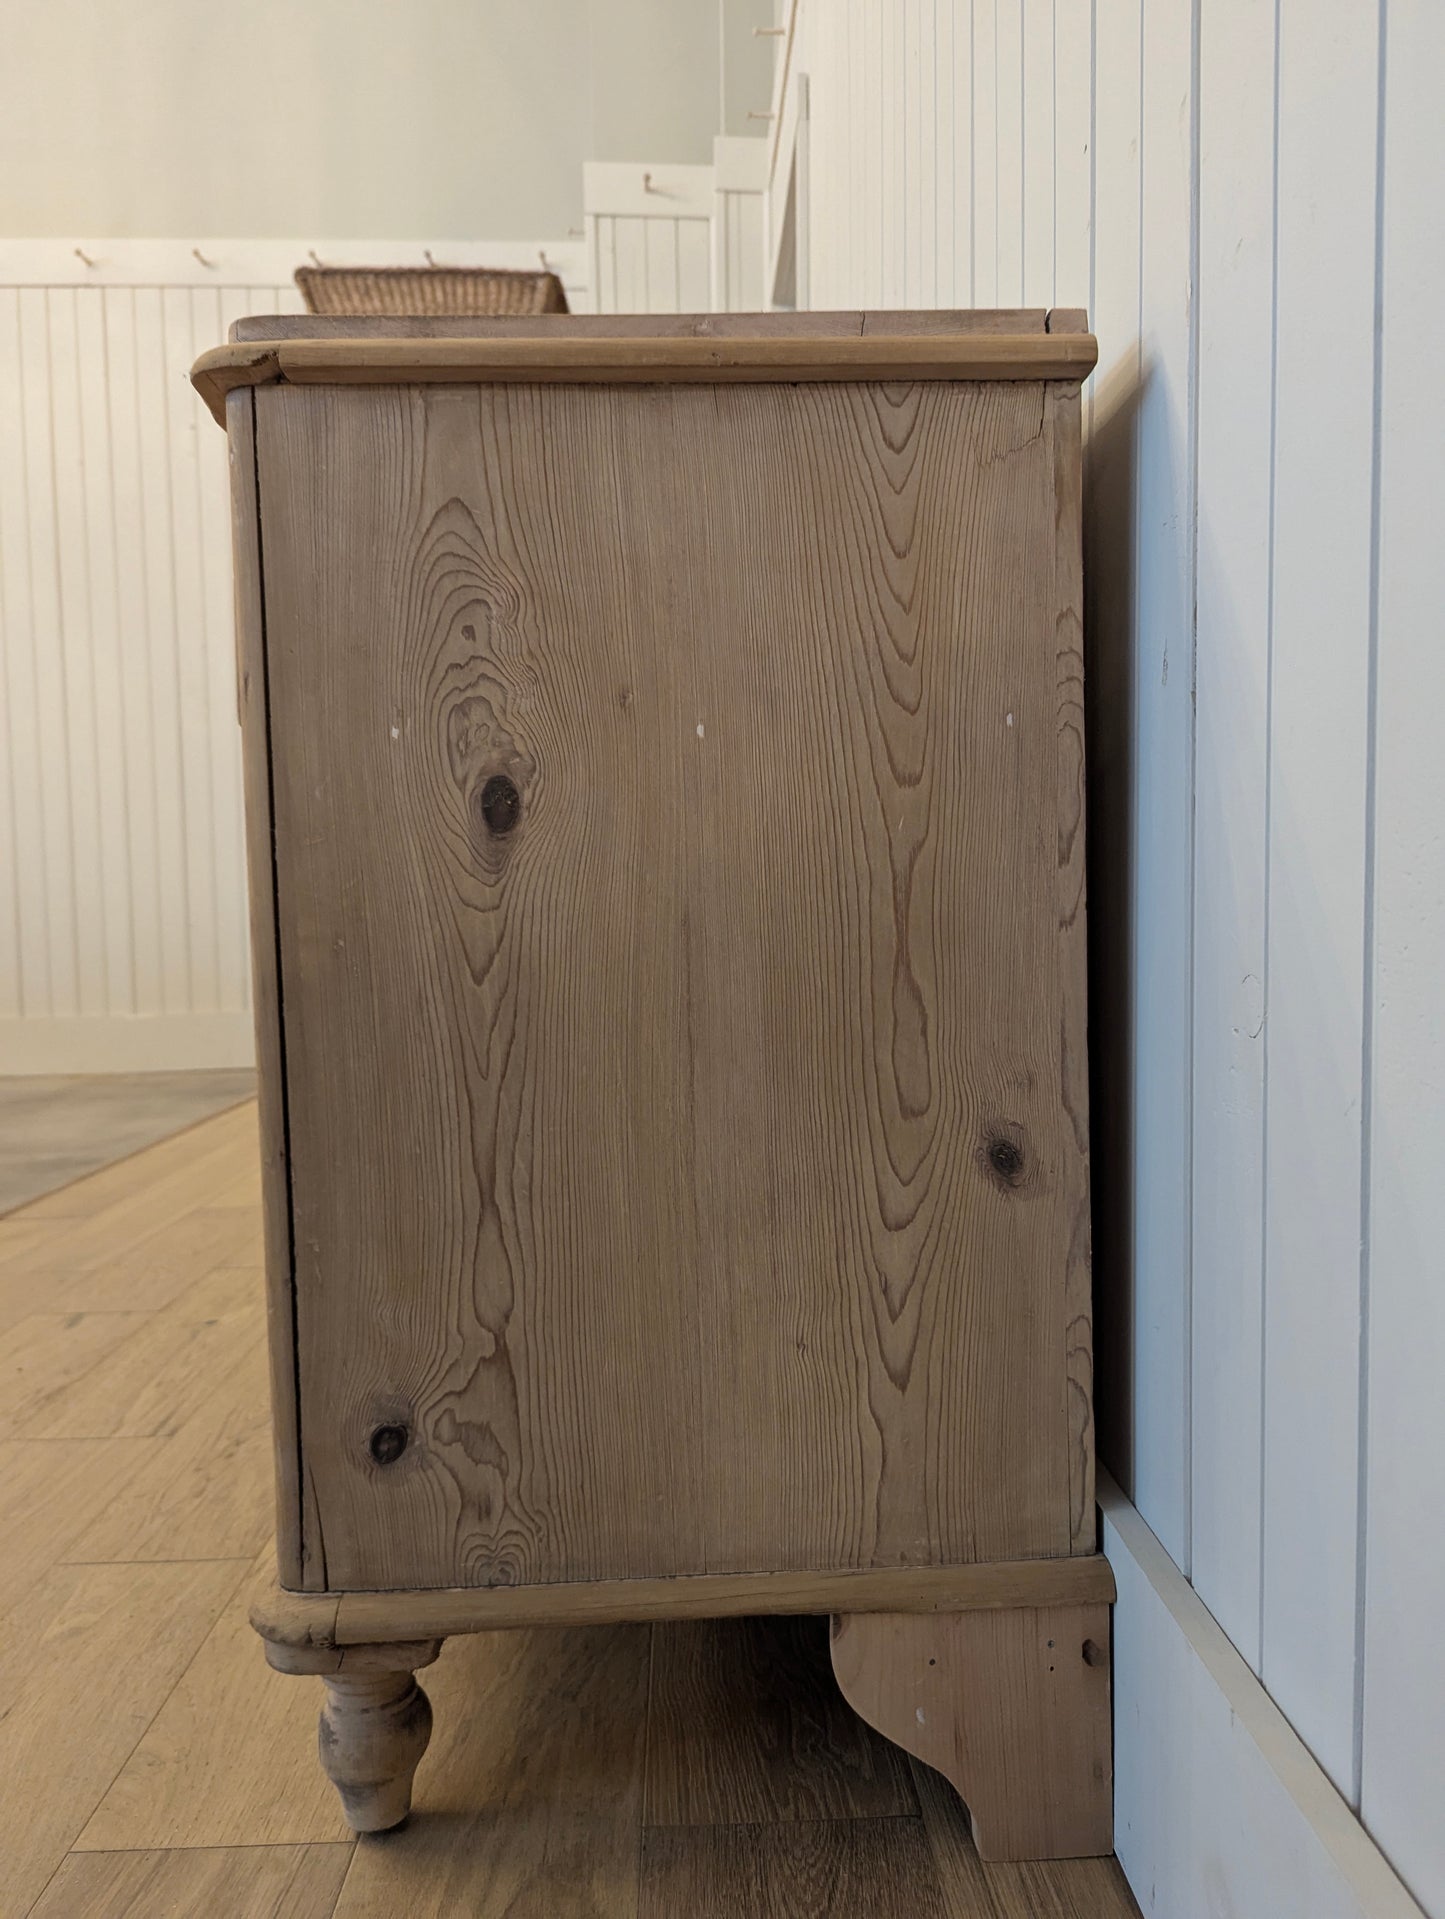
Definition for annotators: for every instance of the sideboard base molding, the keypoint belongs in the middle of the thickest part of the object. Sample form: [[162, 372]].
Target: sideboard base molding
[[326, 1620]]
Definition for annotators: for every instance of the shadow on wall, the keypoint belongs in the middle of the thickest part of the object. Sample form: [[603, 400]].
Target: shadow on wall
[[1110, 523]]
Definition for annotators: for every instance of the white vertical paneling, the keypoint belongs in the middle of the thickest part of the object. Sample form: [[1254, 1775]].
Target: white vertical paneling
[[212, 311], [744, 291], [71, 638], [1073, 158], [161, 645], [1318, 741], [921, 123], [659, 239], [1404, 1675], [629, 262], [643, 225], [42, 690], [889, 108], [962, 172], [875, 230], [604, 281], [109, 914], [191, 665], [694, 266], [1038, 130], [22, 950], [1008, 50], [983, 142], [133, 641], [1236, 394], [940, 62]]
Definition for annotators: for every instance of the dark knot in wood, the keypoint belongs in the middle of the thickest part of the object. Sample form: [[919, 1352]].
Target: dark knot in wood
[[500, 804], [388, 1443], [1006, 1159]]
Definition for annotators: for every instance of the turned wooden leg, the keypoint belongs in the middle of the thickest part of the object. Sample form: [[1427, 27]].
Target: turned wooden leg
[[1011, 1706], [375, 1723]]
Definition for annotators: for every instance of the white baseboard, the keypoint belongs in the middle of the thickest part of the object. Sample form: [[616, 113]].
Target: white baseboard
[[116, 1044], [1219, 1809]]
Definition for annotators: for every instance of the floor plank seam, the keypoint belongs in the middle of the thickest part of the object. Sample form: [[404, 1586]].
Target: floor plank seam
[[230, 1845], [768, 1825], [132, 1749], [201, 1559]]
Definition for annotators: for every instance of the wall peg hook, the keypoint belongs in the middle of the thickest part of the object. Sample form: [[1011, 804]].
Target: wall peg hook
[[84, 257], [196, 254]]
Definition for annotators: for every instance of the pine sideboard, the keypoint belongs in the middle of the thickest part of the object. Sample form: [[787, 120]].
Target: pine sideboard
[[664, 769]]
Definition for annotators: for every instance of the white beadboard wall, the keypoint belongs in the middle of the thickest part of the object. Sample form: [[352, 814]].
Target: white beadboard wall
[[123, 924], [649, 237], [123, 942], [1245, 195], [678, 239]]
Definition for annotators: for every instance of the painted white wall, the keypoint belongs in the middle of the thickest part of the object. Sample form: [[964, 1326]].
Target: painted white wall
[[1244, 194], [352, 118]]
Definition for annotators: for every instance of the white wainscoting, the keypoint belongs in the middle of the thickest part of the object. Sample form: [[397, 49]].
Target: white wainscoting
[[123, 941], [649, 237], [740, 175], [678, 239], [1244, 193]]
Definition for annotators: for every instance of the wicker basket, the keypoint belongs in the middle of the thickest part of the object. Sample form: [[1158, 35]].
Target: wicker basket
[[414, 291]]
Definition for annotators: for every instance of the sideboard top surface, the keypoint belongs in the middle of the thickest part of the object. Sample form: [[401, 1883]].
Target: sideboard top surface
[[845, 324], [1006, 344]]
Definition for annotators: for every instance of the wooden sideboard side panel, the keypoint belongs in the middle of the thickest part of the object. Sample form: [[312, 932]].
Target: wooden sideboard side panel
[[252, 711], [779, 677], [1064, 421]]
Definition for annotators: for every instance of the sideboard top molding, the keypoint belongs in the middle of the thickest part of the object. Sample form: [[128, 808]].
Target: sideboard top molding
[[316, 354]]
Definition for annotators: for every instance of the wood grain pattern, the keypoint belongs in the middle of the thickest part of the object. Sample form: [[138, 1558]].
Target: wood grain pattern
[[229, 1758], [646, 359], [748, 1725], [232, 1882], [147, 1387], [160, 1268], [202, 1493], [252, 707], [1063, 427], [107, 1656], [1012, 1707], [856, 1869], [680, 1247], [46, 1354], [50, 1493], [364, 1618]]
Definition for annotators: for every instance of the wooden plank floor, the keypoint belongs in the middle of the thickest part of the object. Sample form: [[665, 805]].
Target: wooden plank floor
[[154, 1765]]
